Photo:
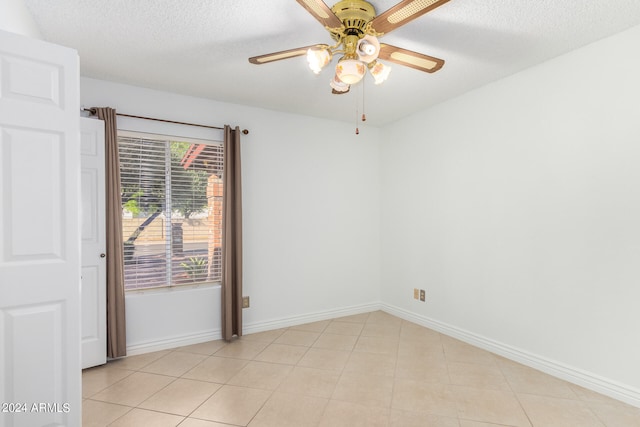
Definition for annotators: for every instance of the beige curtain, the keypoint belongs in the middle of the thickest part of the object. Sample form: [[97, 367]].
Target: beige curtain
[[116, 328], [232, 236]]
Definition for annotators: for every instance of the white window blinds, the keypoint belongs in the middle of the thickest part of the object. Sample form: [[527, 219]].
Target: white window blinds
[[171, 210]]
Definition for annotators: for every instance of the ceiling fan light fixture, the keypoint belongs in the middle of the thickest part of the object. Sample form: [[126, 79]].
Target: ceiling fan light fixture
[[350, 71], [379, 71], [368, 49], [318, 58], [338, 86]]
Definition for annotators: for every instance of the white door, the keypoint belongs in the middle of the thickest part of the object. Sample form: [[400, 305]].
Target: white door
[[94, 274], [40, 376]]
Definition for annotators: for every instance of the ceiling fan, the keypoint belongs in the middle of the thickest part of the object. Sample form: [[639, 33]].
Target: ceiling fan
[[354, 26]]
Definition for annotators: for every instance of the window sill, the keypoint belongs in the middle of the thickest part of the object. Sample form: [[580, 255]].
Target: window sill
[[169, 289]]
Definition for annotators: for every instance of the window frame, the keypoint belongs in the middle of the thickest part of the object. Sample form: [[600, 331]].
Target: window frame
[[166, 137]]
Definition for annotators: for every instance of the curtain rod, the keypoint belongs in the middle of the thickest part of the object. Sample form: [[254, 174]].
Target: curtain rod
[[93, 111]]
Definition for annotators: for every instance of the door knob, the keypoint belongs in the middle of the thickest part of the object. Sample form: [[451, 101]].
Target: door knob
[[103, 255]]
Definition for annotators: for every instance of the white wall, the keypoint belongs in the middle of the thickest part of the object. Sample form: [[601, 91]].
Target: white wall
[[16, 18], [311, 218], [517, 208]]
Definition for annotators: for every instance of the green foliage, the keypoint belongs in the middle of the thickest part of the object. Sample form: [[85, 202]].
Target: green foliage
[[196, 268], [142, 184], [189, 187], [132, 204]]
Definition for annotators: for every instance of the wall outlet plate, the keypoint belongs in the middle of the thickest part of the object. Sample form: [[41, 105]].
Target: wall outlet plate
[[422, 295], [416, 293], [245, 302]]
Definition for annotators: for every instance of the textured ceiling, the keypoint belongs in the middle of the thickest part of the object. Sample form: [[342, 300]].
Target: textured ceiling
[[200, 48]]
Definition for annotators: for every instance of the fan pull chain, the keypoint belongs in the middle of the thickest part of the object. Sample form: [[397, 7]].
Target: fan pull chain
[[364, 116], [356, 99]]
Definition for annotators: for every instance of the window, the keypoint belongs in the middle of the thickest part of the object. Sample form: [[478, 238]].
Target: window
[[171, 210]]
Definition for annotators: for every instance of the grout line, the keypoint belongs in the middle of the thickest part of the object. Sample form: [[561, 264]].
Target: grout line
[[515, 394]]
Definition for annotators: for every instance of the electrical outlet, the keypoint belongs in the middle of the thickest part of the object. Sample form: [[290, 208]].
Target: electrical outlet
[[416, 293], [422, 295], [245, 302]]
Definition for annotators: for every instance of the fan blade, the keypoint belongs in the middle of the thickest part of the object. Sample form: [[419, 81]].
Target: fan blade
[[410, 58], [321, 12], [285, 54], [403, 12]]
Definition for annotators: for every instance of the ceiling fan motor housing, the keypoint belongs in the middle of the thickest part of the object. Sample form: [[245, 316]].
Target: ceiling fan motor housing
[[355, 15]]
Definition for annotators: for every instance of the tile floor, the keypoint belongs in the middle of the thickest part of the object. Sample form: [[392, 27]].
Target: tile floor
[[366, 370]]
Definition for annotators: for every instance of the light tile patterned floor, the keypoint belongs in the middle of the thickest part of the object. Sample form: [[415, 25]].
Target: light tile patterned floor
[[366, 370]]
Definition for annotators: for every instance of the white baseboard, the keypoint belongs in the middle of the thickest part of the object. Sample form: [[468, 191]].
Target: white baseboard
[[573, 375], [286, 322], [173, 342], [216, 334]]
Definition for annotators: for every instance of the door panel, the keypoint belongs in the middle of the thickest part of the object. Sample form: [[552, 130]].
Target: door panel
[[31, 80], [33, 214], [39, 233], [94, 292]]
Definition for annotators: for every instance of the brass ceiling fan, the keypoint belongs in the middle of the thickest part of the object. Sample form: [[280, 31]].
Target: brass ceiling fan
[[354, 26]]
